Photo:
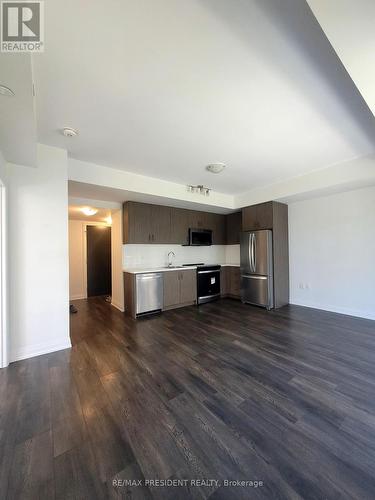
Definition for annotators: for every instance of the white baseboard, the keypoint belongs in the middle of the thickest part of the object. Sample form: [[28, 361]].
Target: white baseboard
[[78, 297], [335, 309], [118, 307], [38, 350]]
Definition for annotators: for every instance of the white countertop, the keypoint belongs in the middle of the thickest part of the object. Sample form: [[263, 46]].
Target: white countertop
[[141, 270]]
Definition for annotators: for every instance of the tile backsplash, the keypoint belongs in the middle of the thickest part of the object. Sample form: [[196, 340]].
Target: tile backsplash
[[157, 255]]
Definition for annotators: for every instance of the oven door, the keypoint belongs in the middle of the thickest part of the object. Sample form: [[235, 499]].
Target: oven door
[[208, 285]]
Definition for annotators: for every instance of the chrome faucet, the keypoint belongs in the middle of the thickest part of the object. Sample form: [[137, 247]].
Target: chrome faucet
[[170, 257]]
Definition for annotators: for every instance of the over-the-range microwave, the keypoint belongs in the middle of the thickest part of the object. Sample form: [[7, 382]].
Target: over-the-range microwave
[[200, 237]]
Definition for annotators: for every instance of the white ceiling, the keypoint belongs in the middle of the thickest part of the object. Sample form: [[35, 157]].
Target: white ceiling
[[349, 26], [102, 214], [17, 119], [164, 88]]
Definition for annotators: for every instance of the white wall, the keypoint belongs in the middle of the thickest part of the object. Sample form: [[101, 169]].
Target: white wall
[[157, 255], [4, 281], [77, 286], [332, 252], [232, 254], [117, 274], [38, 241]]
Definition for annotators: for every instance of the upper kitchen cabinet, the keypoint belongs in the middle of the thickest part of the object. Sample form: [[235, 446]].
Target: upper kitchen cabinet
[[258, 217], [144, 223], [181, 220], [233, 228], [218, 226], [161, 229]]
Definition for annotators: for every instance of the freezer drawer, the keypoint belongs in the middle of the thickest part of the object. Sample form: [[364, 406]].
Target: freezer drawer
[[149, 293], [257, 290]]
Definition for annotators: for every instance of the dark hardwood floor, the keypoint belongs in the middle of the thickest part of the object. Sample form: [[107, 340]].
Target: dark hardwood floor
[[221, 392]]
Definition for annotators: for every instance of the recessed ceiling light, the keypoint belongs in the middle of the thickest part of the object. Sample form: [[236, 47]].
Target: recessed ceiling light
[[215, 168], [6, 91], [69, 132], [89, 211]]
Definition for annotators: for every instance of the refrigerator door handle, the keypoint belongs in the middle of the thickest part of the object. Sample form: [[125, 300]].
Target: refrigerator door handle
[[254, 277], [254, 254], [249, 249]]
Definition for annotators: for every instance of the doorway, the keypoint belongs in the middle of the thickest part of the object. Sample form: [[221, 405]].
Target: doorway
[[99, 272]]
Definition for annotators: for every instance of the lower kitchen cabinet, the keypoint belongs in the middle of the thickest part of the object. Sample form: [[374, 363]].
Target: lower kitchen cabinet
[[235, 282], [230, 282], [180, 288]]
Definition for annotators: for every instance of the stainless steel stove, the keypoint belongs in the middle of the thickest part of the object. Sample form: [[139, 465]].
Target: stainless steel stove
[[208, 283]]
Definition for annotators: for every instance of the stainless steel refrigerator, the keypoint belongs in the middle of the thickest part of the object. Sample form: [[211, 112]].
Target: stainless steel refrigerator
[[257, 268]]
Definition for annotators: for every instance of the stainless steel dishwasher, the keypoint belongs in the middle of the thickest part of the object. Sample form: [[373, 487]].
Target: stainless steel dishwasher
[[149, 293]]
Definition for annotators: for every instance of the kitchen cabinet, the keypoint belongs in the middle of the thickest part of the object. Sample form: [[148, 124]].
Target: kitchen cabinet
[[181, 220], [224, 281], [144, 223], [233, 228], [171, 288], [218, 226], [188, 286], [230, 282], [257, 217], [161, 225], [180, 288], [129, 294], [234, 281], [157, 224]]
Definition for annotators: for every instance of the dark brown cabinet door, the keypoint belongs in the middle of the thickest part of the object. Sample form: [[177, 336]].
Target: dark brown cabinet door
[[257, 217], [224, 281], [139, 221], [233, 228], [171, 288], [218, 227], [160, 224], [144, 223], [201, 220], [188, 286], [180, 223], [235, 281]]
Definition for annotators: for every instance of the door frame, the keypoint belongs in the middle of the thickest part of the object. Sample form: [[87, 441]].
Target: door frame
[[4, 347]]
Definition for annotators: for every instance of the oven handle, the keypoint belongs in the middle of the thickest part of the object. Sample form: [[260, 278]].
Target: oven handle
[[206, 272], [209, 296]]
